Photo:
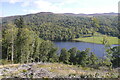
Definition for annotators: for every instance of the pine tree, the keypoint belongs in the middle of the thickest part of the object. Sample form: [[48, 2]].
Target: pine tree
[[64, 56], [73, 52], [93, 60]]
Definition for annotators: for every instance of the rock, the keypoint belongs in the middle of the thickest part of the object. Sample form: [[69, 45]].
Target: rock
[[1, 72], [42, 73]]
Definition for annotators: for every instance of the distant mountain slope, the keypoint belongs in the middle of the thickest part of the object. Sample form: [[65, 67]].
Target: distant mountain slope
[[67, 14], [67, 26], [95, 14]]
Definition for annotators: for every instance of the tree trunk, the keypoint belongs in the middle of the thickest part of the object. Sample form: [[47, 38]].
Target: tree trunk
[[7, 52], [28, 57], [12, 46], [12, 52]]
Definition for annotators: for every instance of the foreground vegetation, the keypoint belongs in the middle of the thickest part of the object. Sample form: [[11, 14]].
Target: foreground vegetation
[[99, 39]]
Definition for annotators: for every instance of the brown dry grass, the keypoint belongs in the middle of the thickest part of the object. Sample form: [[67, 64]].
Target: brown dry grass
[[9, 65]]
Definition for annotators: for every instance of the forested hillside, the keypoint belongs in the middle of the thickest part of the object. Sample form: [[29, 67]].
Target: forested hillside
[[50, 26]]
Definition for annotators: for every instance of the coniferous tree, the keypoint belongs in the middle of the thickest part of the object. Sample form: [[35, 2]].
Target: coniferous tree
[[73, 52], [52, 55], [64, 56], [93, 61], [115, 51]]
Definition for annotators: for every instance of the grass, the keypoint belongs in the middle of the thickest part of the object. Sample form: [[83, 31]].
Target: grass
[[62, 69], [9, 65], [99, 39]]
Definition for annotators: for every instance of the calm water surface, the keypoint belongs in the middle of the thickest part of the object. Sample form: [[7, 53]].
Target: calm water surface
[[98, 49]]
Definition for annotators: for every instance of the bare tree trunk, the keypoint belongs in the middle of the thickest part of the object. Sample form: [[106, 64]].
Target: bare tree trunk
[[7, 53], [21, 61], [12, 52], [12, 45], [28, 57]]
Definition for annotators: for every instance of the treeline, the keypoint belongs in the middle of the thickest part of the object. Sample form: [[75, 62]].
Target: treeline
[[86, 58], [83, 58], [50, 26]]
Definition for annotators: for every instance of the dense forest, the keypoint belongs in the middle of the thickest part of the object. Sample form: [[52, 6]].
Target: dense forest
[[62, 27], [26, 38]]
